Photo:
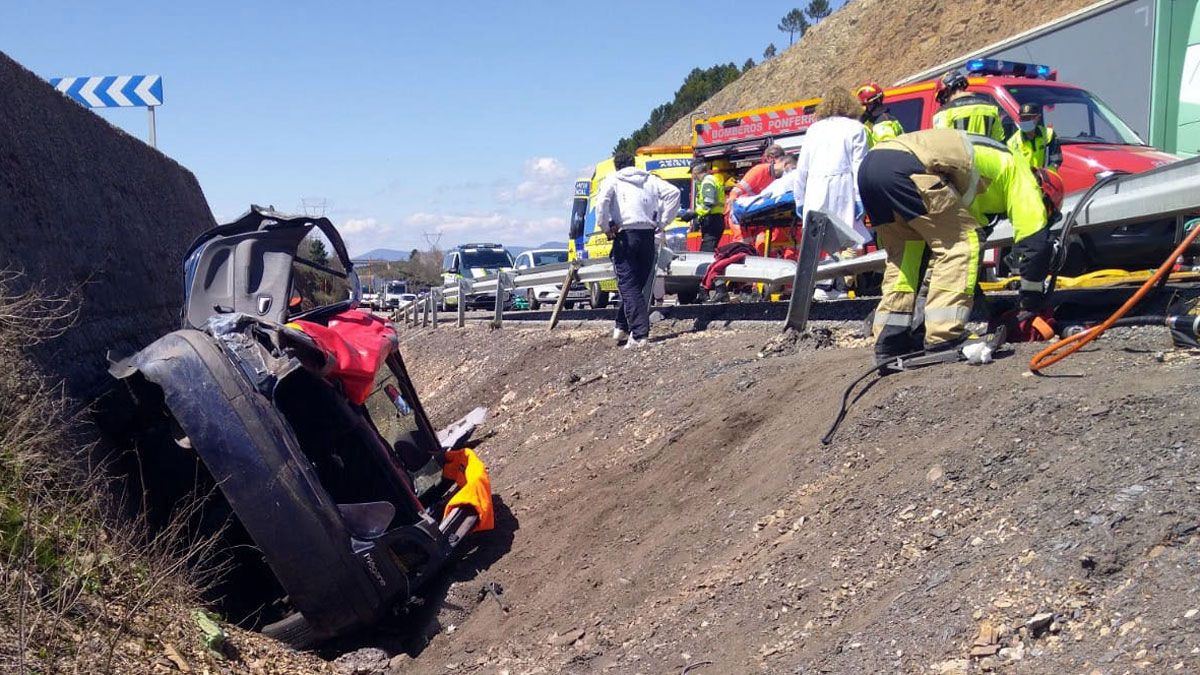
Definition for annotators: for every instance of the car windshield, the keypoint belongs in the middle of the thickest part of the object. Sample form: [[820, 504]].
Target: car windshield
[[1076, 115], [548, 257], [486, 258]]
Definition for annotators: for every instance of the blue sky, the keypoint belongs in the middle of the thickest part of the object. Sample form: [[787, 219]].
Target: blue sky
[[467, 118]]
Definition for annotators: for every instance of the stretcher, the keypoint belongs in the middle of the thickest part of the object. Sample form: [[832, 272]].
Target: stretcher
[[765, 210]]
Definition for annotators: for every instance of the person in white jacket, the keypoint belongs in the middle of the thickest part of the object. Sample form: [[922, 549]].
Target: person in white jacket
[[826, 179], [633, 204]]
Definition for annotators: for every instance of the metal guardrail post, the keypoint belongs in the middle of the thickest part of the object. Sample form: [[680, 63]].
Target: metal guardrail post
[[804, 282], [572, 272], [435, 296], [462, 303], [498, 319], [425, 313]]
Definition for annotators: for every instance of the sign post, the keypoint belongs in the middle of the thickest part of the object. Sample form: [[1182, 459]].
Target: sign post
[[115, 91]]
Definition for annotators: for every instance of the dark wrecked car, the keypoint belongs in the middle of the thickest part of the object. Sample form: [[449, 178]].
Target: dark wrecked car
[[291, 416]]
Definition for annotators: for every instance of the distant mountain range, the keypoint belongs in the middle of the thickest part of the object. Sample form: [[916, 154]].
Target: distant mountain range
[[392, 255], [388, 254]]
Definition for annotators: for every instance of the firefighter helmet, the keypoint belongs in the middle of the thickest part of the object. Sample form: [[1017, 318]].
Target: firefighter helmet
[[949, 84], [869, 94]]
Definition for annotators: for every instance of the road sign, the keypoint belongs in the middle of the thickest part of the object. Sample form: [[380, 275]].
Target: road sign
[[115, 91], [112, 91]]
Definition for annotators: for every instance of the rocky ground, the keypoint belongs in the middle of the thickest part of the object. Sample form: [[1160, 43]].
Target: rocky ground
[[672, 509]]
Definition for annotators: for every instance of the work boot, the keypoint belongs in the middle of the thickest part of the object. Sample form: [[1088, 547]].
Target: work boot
[[619, 335], [635, 343]]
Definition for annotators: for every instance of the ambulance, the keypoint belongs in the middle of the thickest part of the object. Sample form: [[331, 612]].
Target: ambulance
[[587, 241]]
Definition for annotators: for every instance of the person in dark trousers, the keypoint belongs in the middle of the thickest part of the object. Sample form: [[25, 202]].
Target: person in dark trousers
[[632, 205]]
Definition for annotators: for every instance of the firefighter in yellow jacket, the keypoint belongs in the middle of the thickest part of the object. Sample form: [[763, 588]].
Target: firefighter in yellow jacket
[[934, 189], [875, 117], [1034, 141], [966, 110]]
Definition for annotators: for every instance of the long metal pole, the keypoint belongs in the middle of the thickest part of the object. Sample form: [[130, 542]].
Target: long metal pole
[[153, 134], [462, 303], [434, 298], [498, 320]]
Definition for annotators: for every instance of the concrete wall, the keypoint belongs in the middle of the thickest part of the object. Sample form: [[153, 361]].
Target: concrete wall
[[84, 205]]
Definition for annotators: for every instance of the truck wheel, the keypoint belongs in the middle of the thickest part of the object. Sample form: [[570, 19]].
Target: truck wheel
[[293, 630], [599, 299]]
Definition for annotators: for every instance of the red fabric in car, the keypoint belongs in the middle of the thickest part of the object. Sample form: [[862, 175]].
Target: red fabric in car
[[357, 343]]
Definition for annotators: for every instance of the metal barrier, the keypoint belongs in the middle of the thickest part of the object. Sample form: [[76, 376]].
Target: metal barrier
[[1170, 191]]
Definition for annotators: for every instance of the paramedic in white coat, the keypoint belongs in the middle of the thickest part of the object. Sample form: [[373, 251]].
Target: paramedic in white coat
[[827, 170]]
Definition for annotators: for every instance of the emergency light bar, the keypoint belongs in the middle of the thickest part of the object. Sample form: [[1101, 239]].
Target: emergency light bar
[[1010, 68]]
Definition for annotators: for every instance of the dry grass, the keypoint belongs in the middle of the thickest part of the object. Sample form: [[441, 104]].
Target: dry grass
[[74, 582]]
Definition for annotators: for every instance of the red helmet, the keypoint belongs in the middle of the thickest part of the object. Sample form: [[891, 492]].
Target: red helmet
[[869, 94], [949, 84], [1052, 189]]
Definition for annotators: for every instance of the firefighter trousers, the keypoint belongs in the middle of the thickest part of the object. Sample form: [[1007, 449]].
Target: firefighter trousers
[[951, 235]]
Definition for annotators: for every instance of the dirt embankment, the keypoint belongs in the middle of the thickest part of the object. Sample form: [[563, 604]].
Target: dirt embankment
[[674, 506], [875, 40]]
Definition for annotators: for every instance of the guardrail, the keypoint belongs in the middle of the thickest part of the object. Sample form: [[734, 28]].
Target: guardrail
[[1169, 191]]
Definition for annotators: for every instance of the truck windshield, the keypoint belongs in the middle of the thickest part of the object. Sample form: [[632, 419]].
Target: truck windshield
[[486, 258], [1076, 115]]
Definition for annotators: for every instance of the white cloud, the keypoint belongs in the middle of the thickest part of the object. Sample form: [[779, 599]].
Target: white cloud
[[361, 226], [495, 226], [547, 182]]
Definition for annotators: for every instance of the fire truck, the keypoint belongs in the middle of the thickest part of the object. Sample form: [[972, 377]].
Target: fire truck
[[1094, 139]]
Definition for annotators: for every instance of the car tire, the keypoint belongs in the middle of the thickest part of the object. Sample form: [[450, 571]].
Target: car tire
[[688, 297], [293, 630], [534, 304], [599, 299]]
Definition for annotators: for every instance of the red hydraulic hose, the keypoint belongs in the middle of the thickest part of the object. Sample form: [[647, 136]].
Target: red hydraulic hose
[[1068, 346]]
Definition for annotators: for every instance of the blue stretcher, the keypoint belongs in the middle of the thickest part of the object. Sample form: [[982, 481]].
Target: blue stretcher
[[766, 210]]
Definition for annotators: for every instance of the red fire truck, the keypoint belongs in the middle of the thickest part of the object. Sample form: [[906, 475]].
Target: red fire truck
[[1094, 139]]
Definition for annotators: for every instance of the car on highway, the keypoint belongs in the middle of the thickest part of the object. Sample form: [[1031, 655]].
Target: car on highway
[[548, 294], [294, 434], [392, 293], [475, 261], [370, 300]]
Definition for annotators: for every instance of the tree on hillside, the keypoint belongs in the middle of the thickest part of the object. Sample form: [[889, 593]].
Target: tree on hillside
[[698, 87], [817, 10], [793, 22], [747, 65], [769, 52]]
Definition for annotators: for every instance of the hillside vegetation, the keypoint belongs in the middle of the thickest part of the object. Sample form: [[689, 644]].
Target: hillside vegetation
[[877, 40]]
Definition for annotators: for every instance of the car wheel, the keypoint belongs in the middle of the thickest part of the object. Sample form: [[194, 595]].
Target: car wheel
[[293, 630], [688, 297], [599, 299], [534, 304]]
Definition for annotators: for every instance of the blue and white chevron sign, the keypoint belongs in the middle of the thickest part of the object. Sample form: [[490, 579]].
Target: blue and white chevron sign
[[112, 91]]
